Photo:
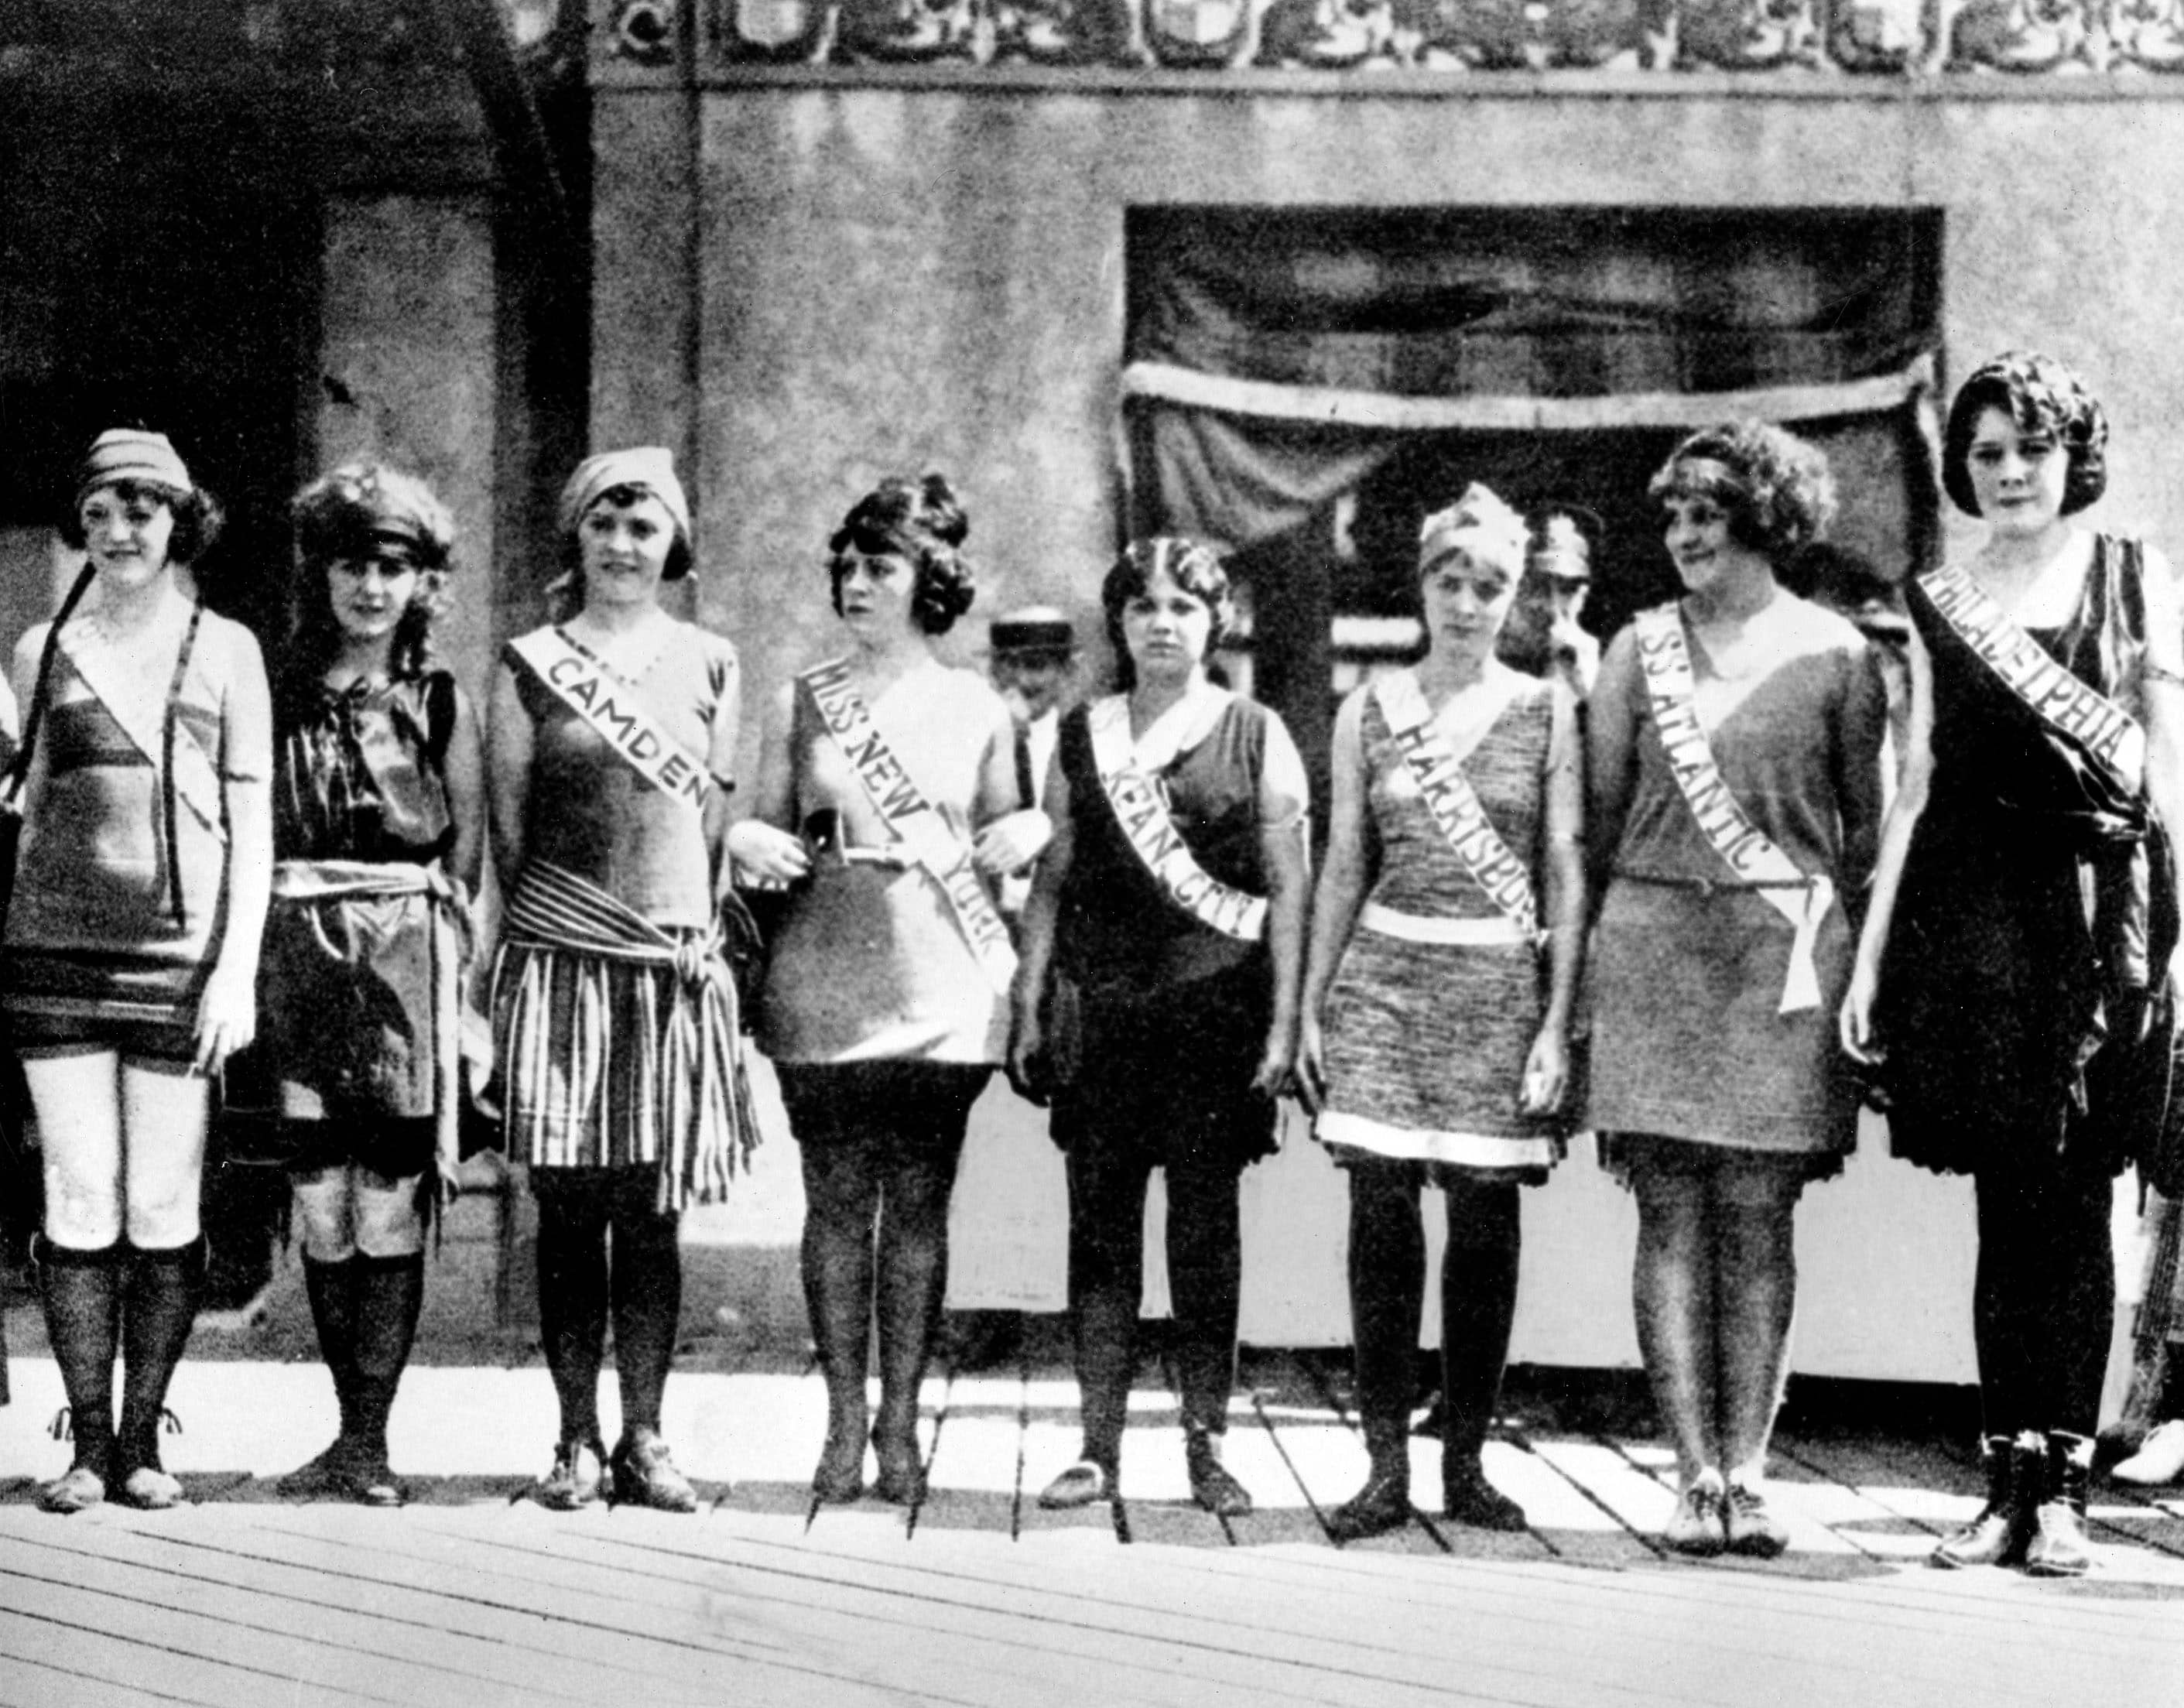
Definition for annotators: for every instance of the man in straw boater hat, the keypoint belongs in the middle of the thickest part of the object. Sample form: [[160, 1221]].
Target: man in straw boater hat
[[1034, 663]]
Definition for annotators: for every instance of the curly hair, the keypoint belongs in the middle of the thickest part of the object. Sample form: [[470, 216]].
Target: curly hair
[[1776, 488], [1191, 564], [367, 513], [2040, 395], [923, 521], [198, 517]]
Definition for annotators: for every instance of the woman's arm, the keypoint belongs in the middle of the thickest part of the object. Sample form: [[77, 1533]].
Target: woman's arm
[[2164, 698], [1546, 1069], [508, 751], [227, 1012], [1343, 882], [1285, 855], [765, 846], [462, 767], [1854, 1021], [1035, 936], [1611, 761], [1010, 834], [723, 729]]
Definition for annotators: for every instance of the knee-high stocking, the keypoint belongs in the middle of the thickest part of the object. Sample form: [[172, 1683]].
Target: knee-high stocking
[[1205, 1270], [390, 1295], [1478, 1305], [81, 1290], [1107, 1279], [157, 1313], [572, 1292], [331, 1289], [647, 1298], [841, 1192], [1387, 1282]]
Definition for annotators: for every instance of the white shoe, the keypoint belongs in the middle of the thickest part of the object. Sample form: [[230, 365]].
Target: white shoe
[[2160, 1458]]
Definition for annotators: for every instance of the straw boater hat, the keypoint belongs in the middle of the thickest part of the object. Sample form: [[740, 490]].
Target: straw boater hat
[[1036, 632]]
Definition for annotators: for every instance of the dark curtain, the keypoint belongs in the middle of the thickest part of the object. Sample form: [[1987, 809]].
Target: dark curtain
[[1277, 360]]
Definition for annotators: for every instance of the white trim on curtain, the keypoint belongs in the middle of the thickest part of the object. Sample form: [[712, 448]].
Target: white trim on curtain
[[1327, 406]]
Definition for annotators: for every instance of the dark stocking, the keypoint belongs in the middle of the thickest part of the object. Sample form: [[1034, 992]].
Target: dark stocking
[[1107, 1279], [1204, 1276], [572, 1291], [331, 1289], [2043, 1305], [1387, 1281], [390, 1293], [160, 1310], [82, 1293], [913, 1277], [1478, 1304], [842, 1200], [647, 1296]]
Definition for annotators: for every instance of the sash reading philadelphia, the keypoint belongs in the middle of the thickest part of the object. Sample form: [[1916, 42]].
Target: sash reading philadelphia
[[2060, 700], [1771, 874], [945, 856], [588, 689], [1151, 834], [1455, 805]]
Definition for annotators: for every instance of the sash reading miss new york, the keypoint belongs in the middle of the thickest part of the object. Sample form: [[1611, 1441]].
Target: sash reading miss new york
[[1152, 836], [945, 856], [1743, 847]]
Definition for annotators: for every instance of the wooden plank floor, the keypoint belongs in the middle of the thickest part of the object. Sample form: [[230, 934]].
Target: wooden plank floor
[[469, 1598]]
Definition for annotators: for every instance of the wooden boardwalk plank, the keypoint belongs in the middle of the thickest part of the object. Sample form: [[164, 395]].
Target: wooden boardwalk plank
[[206, 1658]]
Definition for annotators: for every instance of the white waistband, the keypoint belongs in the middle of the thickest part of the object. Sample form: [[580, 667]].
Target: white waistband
[[1475, 933]]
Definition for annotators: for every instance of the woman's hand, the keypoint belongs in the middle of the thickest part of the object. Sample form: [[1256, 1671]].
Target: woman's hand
[[1546, 1074], [768, 852], [1277, 1074], [1011, 842], [1026, 1044], [227, 1016], [1311, 1072], [1854, 1019]]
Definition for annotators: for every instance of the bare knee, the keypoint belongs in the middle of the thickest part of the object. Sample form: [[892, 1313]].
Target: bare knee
[[388, 1220], [322, 1213]]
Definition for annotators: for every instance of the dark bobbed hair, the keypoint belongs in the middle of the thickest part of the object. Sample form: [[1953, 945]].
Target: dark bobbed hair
[[198, 517], [335, 517], [1191, 564], [2040, 394], [1776, 488], [1839, 576], [564, 593], [920, 520]]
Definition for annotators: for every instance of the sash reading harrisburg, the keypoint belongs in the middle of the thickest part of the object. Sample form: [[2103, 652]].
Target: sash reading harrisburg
[[1454, 804], [942, 855], [1771, 874], [1143, 817], [2066, 705]]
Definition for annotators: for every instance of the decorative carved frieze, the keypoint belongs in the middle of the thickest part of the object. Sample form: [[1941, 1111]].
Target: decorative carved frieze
[[1793, 38]]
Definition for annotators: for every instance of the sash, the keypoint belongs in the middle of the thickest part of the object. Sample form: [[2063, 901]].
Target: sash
[[138, 704], [611, 708], [1454, 804], [2058, 697], [1743, 847], [297, 881], [945, 856], [1142, 813]]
